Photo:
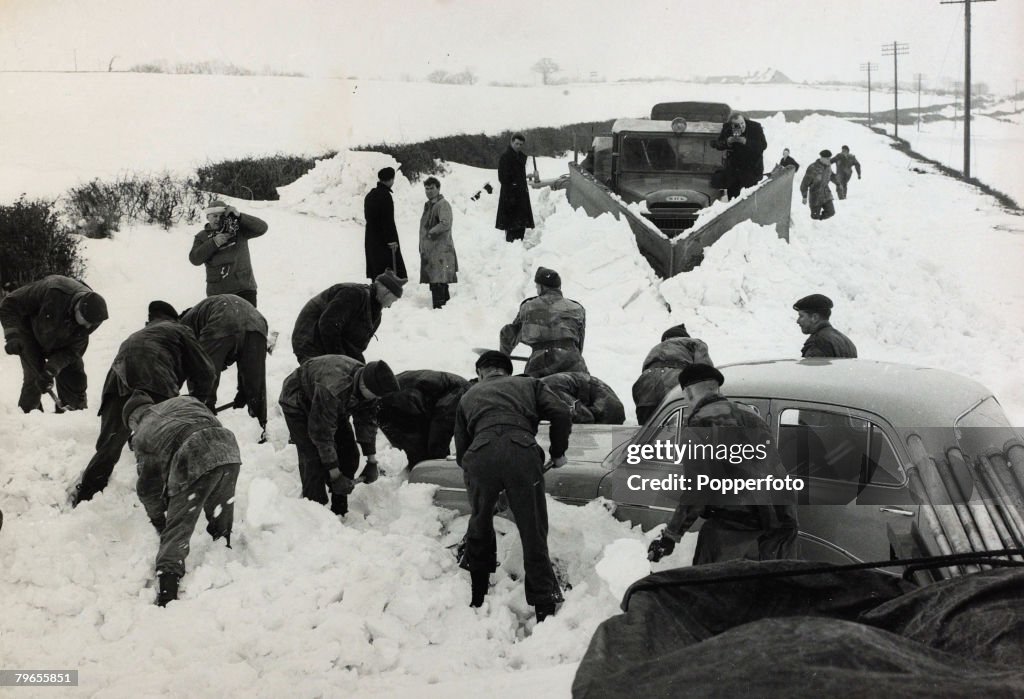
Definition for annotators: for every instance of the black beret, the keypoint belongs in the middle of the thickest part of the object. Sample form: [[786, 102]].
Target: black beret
[[93, 308], [493, 359], [814, 302], [695, 373], [162, 309], [675, 331], [825, 153], [379, 379], [548, 277]]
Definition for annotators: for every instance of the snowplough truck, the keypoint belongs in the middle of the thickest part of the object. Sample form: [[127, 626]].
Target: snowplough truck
[[657, 174]]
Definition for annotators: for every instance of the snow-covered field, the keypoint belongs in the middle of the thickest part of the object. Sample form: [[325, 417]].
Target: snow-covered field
[[921, 268]]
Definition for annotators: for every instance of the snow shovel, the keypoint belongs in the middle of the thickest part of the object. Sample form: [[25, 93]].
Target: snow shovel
[[394, 257], [513, 357], [58, 406]]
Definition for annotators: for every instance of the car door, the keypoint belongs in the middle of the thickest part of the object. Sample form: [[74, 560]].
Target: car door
[[636, 488], [856, 480]]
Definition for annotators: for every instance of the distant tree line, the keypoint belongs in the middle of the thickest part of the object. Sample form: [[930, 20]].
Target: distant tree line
[[207, 68]]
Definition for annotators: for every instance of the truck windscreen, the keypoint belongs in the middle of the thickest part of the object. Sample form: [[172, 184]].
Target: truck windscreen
[[658, 153]]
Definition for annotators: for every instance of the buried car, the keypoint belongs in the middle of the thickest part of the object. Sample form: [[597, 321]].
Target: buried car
[[896, 460]]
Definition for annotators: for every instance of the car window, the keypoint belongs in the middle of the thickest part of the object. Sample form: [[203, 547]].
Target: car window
[[984, 429], [668, 430], [837, 447]]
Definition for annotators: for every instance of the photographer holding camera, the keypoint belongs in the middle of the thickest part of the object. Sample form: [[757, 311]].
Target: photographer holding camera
[[223, 246], [744, 143]]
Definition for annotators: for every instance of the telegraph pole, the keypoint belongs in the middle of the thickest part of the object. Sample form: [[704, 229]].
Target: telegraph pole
[[896, 49], [868, 67], [967, 77], [1015, 92], [918, 76]]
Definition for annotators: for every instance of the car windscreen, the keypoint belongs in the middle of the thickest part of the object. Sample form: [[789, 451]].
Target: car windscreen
[[667, 153]]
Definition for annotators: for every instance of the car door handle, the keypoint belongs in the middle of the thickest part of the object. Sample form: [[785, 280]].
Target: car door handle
[[896, 511]]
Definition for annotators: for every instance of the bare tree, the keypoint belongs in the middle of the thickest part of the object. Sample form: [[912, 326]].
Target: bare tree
[[546, 67]]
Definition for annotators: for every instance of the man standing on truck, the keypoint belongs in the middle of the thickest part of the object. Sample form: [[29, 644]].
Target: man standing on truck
[[815, 187], [552, 325], [845, 164], [755, 526], [514, 212], [744, 143]]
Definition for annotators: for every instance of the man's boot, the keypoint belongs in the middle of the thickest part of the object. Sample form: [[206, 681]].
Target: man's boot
[[544, 610], [168, 591], [480, 579]]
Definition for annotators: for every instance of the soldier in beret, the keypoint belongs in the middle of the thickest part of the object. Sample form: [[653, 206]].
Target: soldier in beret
[[813, 314], [47, 324], [552, 325], [756, 526]]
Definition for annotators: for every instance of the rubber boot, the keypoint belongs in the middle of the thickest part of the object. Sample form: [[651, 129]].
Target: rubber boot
[[480, 580], [168, 589], [544, 611]]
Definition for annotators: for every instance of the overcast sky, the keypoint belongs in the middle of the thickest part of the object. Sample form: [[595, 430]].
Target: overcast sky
[[500, 40]]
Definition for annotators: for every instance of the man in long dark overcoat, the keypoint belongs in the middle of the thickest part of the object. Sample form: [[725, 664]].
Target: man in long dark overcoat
[[381, 231], [515, 214], [744, 144]]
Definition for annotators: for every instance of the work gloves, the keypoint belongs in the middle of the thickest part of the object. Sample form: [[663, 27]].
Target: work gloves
[[340, 484], [13, 346], [240, 400], [371, 472], [45, 380], [159, 523], [660, 547]]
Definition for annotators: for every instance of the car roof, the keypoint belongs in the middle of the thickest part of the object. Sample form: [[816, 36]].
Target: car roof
[[905, 395]]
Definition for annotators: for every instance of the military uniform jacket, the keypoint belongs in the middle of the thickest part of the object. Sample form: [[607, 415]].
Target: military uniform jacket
[[228, 268], [517, 402], [160, 358], [423, 392], [590, 399], [338, 320], [325, 391], [221, 316], [846, 163], [662, 366], [717, 420], [815, 184], [826, 341], [178, 442], [549, 317], [45, 310]]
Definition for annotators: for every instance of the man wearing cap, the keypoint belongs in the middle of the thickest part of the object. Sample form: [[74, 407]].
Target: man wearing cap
[[419, 418], [187, 463], [662, 366], [381, 239], [553, 326], [223, 246], [744, 143], [343, 318], [157, 360], [813, 313], [591, 401], [318, 399], [515, 213], [755, 525], [495, 429], [230, 330], [47, 323], [845, 164], [814, 188]]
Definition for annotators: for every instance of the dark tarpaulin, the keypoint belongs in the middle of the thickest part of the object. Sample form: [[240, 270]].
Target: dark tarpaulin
[[852, 634]]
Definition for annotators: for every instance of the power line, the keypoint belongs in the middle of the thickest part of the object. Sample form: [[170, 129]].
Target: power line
[[870, 67], [967, 77], [896, 49]]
